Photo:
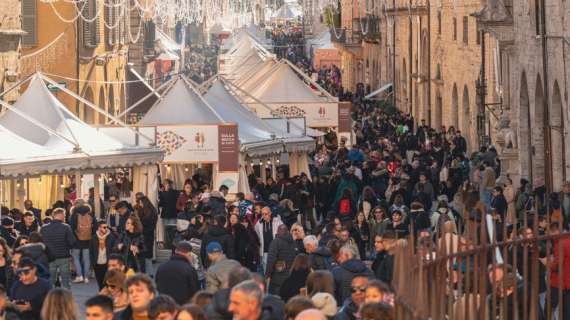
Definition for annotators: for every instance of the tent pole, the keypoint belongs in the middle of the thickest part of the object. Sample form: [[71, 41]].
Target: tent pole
[[144, 98], [96, 195], [17, 85]]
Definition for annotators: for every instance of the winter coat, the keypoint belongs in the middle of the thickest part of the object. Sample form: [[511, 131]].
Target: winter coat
[[25, 230], [178, 279], [217, 234], [554, 266], [321, 259], [272, 308], [8, 235], [167, 201], [127, 239], [110, 242], [183, 198], [276, 222], [281, 250], [218, 205], [218, 308], [58, 238], [293, 284], [348, 311], [217, 274], [148, 220], [343, 275], [73, 223], [37, 252]]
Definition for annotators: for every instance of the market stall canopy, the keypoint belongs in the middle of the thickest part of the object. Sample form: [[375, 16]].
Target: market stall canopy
[[43, 120], [181, 104]]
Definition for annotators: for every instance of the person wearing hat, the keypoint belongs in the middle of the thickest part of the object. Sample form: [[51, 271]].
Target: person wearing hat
[[84, 226], [220, 266], [7, 231], [176, 277]]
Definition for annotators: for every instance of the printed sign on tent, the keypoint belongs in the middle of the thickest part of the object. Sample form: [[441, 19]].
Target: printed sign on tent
[[344, 117], [229, 148], [188, 144], [318, 115]]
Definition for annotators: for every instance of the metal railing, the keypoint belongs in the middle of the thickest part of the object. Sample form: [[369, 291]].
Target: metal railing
[[346, 37]]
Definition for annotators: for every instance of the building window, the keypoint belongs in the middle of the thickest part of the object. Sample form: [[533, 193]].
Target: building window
[[454, 28], [439, 23], [478, 33], [537, 16], [438, 72], [465, 30], [29, 23], [90, 29]]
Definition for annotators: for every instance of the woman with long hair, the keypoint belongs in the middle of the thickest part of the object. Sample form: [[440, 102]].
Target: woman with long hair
[[114, 288], [300, 270], [362, 230], [320, 281], [59, 304], [148, 215], [251, 254], [5, 261], [240, 236], [131, 244], [20, 241], [184, 197], [367, 201]]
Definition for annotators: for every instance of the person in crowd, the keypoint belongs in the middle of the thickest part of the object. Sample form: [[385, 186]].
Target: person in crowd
[[21, 241], [191, 312], [60, 304], [131, 244], [28, 224], [245, 301], [29, 206], [384, 269], [561, 258], [7, 231], [282, 252], [185, 197], [217, 202], [59, 240], [117, 261], [362, 232], [162, 307], [320, 257], [29, 291], [246, 243], [351, 305], [298, 277], [8, 310], [377, 311], [266, 229], [149, 217], [296, 305], [100, 249], [167, 199], [5, 263], [99, 307], [112, 216], [219, 308], [349, 267], [114, 284], [378, 291], [176, 277], [125, 210], [217, 273], [84, 226], [298, 234], [36, 250], [202, 299], [217, 232], [141, 291]]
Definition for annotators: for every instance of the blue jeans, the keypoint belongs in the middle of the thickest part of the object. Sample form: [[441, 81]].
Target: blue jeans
[[77, 263], [61, 265]]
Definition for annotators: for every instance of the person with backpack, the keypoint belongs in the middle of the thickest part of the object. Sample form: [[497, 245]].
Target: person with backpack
[[83, 225], [346, 207]]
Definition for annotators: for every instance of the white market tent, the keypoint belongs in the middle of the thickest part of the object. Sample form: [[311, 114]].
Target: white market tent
[[57, 142], [285, 13]]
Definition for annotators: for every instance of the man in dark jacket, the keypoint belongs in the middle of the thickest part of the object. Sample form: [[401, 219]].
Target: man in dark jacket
[[282, 252], [176, 277], [28, 224], [7, 231], [167, 198], [320, 257], [217, 203], [217, 232], [29, 206], [351, 305], [59, 240], [349, 267]]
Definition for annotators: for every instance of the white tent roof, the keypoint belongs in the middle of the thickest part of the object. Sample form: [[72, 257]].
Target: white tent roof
[[60, 140], [285, 13], [181, 105], [283, 85]]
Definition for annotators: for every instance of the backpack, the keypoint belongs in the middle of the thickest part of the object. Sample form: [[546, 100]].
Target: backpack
[[344, 207], [84, 227]]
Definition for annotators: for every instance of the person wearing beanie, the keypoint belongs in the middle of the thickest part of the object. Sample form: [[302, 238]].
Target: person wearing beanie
[[326, 303]]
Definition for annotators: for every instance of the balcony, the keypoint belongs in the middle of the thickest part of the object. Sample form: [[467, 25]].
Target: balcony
[[371, 28], [346, 37]]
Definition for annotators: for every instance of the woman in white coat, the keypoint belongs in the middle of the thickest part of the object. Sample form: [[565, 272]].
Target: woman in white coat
[[266, 229]]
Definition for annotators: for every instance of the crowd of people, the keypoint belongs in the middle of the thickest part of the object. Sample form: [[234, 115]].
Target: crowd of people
[[317, 246], [202, 63]]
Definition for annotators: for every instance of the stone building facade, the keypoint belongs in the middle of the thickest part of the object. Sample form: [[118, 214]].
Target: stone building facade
[[10, 36]]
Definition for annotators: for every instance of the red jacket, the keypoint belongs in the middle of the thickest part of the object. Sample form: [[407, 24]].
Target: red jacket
[[183, 198], [554, 278]]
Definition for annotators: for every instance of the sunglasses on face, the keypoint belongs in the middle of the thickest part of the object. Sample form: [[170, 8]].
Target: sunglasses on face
[[358, 289], [23, 272]]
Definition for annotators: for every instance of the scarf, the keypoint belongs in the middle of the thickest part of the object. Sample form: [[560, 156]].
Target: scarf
[[102, 238]]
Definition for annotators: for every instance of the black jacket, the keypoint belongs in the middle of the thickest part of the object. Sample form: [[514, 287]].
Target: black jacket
[[218, 205], [25, 230], [293, 284], [221, 235], [218, 308], [348, 311], [321, 259], [8, 235], [58, 238], [127, 239], [178, 279], [37, 252], [167, 201], [385, 269], [282, 248], [343, 275], [110, 242]]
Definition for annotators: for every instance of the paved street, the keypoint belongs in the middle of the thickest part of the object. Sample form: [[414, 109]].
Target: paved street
[[82, 292]]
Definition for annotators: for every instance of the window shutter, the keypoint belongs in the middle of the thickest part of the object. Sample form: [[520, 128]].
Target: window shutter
[[29, 22], [108, 23], [87, 32], [95, 23]]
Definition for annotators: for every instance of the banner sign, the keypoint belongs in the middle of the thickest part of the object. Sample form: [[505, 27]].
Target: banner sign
[[344, 117], [229, 179], [229, 148], [318, 115], [188, 143]]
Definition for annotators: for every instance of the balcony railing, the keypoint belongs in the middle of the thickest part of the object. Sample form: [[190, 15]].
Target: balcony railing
[[346, 37]]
